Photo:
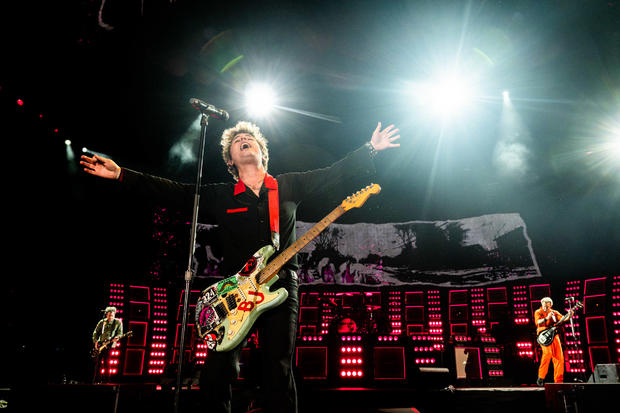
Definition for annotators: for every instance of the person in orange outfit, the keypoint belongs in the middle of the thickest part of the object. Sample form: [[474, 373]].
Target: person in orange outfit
[[546, 317]]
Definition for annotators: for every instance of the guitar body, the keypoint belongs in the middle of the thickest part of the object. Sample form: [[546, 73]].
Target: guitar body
[[227, 310], [545, 338], [96, 352]]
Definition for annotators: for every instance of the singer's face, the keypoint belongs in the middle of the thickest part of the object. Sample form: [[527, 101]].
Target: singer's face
[[245, 149], [547, 305]]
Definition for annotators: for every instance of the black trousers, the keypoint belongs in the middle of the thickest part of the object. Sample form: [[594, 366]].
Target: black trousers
[[276, 330], [102, 361]]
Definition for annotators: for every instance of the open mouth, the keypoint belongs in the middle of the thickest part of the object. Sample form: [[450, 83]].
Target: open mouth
[[245, 146]]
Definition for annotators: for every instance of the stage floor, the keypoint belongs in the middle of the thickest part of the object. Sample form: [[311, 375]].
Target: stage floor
[[125, 398]]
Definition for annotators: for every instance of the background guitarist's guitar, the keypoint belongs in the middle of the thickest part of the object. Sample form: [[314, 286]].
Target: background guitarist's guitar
[[95, 352], [546, 337], [226, 310]]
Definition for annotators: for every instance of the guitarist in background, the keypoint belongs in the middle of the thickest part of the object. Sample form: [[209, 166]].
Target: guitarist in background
[[244, 211], [108, 328], [546, 317]]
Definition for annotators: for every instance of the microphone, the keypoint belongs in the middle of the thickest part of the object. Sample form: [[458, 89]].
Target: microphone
[[204, 107]]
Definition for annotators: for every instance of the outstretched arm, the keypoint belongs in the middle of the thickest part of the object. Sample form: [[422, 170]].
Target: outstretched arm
[[343, 176], [100, 166]]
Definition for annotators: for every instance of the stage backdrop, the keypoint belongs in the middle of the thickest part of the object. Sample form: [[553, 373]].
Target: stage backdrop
[[482, 250]]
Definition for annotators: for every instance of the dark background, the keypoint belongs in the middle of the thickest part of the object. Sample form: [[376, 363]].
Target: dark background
[[124, 93]]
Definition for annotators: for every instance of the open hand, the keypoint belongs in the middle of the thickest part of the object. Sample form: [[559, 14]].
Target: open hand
[[383, 139], [100, 166]]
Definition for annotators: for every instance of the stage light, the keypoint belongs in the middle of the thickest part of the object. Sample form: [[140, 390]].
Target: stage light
[[513, 155], [506, 96], [260, 99], [614, 147], [20, 102], [445, 96], [70, 156]]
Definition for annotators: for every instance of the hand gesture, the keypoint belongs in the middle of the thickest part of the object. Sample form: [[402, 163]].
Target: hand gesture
[[100, 166], [383, 139]]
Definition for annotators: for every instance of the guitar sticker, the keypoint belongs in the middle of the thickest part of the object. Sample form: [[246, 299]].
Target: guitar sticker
[[248, 267], [207, 315], [249, 305], [226, 285], [209, 294]]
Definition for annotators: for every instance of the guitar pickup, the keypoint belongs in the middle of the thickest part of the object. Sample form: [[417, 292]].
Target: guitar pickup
[[220, 309], [231, 301]]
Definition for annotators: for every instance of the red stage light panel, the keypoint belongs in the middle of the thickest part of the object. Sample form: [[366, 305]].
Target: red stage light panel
[[538, 291], [138, 337], [414, 298], [599, 355], [389, 363], [139, 293], [311, 362], [134, 362], [139, 310], [189, 335], [594, 286], [497, 295], [596, 330], [458, 297], [594, 304]]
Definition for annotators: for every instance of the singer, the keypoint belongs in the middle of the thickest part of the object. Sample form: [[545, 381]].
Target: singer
[[253, 211]]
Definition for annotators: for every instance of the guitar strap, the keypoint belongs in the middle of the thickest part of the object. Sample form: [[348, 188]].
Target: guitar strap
[[274, 209]]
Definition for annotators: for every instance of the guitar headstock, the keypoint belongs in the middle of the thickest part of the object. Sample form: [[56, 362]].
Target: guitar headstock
[[358, 199]]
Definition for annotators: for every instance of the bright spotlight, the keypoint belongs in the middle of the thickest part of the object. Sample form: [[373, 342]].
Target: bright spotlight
[[506, 96], [85, 149], [445, 96], [70, 157], [260, 99], [614, 147]]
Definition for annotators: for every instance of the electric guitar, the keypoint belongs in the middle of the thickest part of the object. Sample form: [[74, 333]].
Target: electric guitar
[[226, 310], [546, 337], [96, 351]]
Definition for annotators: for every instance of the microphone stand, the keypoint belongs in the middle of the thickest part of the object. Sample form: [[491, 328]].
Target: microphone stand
[[204, 122]]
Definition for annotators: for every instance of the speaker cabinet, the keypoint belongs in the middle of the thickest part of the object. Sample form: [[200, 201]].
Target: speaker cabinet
[[605, 373]]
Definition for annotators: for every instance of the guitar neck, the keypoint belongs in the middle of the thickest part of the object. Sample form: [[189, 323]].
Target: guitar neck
[[566, 316], [274, 266]]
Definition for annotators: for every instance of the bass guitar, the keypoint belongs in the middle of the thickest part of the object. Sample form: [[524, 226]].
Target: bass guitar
[[96, 351], [226, 310], [546, 337]]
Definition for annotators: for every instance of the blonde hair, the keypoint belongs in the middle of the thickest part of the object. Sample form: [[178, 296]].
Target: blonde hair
[[229, 134], [545, 299]]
